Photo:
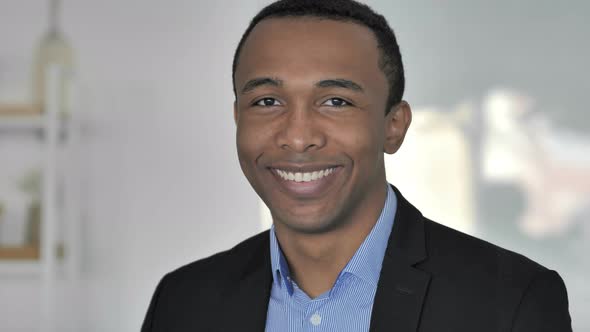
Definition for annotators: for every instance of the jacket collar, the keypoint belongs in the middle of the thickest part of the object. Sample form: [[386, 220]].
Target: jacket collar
[[244, 303], [400, 291], [402, 287]]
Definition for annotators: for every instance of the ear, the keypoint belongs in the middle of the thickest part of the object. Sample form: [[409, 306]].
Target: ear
[[236, 111], [397, 122]]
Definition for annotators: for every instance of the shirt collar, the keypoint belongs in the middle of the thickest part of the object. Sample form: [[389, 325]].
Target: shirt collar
[[365, 263], [281, 274]]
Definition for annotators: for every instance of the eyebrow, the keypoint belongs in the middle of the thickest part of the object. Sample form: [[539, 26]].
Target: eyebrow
[[328, 83], [260, 81], [339, 83]]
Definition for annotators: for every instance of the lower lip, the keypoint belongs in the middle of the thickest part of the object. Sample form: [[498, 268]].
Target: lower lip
[[310, 189]]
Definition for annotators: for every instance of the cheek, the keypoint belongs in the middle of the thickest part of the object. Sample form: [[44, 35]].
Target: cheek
[[245, 144], [246, 148], [361, 140], [252, 139]]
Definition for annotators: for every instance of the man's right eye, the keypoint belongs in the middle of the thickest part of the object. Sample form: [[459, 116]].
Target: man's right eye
[[267, 102]]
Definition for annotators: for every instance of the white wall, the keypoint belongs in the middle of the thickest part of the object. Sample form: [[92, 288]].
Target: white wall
[[164, 186]]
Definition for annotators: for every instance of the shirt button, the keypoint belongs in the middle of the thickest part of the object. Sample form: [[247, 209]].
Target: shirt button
[[315, 319]]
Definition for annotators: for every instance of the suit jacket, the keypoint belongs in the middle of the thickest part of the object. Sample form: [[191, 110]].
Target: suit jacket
[[433, 278]]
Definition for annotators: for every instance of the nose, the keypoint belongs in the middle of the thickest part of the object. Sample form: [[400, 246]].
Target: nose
[[300, 131]]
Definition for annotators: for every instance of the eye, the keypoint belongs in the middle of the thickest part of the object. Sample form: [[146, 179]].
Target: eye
[[267, 102], [336, 102]]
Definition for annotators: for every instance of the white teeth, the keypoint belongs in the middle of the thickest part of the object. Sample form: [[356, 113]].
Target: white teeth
[[315, 175], [298, 177], [304, 176]]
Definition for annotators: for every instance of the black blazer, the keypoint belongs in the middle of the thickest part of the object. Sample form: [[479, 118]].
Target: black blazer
[[433, 279]]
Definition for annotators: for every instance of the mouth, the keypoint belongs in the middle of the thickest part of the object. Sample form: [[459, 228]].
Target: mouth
[[305, 182]]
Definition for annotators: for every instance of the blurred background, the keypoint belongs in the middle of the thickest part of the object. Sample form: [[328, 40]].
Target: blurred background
[[117, 146]]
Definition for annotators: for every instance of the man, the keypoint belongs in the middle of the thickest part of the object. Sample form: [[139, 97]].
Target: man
[[319, 88]]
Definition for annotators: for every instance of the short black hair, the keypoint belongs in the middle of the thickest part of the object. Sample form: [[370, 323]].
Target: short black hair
[[390, 61]]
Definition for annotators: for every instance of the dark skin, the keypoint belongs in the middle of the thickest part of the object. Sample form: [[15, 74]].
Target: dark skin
[[310, 95]]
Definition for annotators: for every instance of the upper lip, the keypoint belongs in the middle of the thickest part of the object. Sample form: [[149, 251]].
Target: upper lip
[[301, 167]]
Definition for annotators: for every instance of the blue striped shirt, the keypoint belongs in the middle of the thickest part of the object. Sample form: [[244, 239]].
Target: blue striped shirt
[[345, 307]]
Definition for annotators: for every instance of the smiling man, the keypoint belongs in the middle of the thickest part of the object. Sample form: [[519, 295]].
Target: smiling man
[[319, 88]]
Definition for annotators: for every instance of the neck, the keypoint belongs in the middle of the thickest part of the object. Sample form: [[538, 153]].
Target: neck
[[316, 260]]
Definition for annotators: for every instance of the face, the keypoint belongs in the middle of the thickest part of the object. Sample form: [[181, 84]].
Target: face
[[311, 124]]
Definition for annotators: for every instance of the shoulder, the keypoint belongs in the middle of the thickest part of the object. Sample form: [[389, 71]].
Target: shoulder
[[222, 265], [451, 248], [185, 297], [467, 270]]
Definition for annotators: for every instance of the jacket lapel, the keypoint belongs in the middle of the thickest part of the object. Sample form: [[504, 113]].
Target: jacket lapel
[[400, 292], [246, 302], [402, 287]]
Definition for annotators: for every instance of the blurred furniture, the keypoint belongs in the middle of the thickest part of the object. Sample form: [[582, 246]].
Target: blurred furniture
[[57, 255]]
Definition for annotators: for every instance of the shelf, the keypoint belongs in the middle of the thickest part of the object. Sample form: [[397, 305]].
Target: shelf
[[19, 253], [26, 261], [19, 110], [20, 117], [19, 261]]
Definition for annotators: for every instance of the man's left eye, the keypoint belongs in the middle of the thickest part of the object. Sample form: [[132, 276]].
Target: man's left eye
[[336, 102]]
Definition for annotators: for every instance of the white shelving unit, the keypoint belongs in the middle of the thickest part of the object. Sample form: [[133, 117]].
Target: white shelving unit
[[48, 130], [60, 206]]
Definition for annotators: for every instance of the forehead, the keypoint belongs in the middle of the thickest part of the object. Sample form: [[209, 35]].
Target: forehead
[[310, 48]]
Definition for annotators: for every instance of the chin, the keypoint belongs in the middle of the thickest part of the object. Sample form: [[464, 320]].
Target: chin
[[307, 224]]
